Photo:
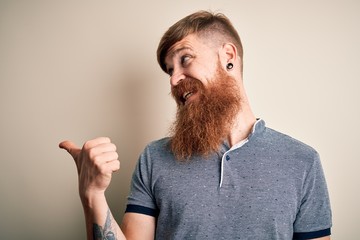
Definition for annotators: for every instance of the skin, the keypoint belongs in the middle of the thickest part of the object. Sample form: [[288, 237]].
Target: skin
[[98, 159], [192, 57]]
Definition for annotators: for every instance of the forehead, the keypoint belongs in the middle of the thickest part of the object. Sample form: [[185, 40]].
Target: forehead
[[190, 43]]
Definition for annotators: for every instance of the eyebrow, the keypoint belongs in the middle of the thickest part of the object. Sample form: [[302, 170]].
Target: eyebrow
[[172, 53]]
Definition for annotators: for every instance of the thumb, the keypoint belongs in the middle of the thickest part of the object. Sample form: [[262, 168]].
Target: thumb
[[71, 148]]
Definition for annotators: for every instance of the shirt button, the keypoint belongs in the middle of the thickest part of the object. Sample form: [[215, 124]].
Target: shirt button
[[227, 157]]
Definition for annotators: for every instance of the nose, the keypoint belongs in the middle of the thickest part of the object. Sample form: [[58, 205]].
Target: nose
[[176, 78]]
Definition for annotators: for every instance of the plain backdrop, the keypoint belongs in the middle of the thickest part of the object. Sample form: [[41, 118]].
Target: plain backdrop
[[82, 69]]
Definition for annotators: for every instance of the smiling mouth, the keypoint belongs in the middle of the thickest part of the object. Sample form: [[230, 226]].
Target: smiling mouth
[[186, 96]]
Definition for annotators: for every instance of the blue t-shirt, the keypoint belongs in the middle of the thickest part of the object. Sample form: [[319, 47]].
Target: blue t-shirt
[[270, 186]]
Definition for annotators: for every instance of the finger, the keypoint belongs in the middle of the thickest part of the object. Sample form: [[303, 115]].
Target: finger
[[109, 167], [114, 165], [102, 148], [105, 158], [70, 147], [96, 142]]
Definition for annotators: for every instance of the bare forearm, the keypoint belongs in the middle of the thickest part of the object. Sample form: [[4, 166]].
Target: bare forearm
[[100, 224], [95, 162], [109, 230]]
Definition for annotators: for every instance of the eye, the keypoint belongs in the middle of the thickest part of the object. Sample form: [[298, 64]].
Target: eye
[[184, 59]]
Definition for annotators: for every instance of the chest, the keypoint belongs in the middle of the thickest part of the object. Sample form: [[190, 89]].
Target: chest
[[262, 190]]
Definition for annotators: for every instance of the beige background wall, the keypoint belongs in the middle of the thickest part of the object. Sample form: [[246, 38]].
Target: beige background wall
[[81, 69]]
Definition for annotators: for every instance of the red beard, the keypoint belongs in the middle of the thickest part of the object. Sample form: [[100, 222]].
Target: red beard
[[202, 124]]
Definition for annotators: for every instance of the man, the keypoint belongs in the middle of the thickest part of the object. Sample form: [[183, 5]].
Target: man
[[222, 174]]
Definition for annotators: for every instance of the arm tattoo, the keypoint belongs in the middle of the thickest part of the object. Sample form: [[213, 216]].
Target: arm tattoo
[[105, 233]]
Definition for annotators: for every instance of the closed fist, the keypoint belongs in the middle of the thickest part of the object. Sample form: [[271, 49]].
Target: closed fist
[[95, 163]]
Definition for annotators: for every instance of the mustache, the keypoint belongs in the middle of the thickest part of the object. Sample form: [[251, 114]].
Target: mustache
[[186, 85]]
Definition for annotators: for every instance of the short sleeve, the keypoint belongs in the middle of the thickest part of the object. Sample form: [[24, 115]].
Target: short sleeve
[[314, 215], [141, 198]]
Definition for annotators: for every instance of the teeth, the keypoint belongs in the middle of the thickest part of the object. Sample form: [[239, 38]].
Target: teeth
[[187, 95]]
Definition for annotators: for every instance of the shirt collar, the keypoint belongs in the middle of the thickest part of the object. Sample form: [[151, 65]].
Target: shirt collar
[[258, 128]]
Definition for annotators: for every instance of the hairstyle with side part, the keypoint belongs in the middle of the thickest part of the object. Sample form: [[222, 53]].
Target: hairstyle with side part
[[201, 23]]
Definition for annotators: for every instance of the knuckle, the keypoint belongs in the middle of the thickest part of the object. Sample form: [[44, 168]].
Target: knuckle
[[87, 145], [113, 146], [105, 139], [97, 159], [92, 153]]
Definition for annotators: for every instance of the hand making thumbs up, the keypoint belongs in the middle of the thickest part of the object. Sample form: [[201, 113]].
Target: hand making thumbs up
[[95, 163]]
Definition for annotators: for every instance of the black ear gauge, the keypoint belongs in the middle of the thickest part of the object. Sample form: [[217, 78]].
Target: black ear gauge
[[229, 66]]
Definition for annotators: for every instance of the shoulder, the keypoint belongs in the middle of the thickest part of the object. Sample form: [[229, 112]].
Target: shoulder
[[157, 152], [289, 144], [272, 144], [161, 143], [287, 139], [158, 147]]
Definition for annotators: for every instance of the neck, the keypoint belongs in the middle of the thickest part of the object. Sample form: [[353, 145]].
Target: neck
[[243, 124]]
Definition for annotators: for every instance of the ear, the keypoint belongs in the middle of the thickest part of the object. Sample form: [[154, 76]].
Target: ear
[[228, 54]]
